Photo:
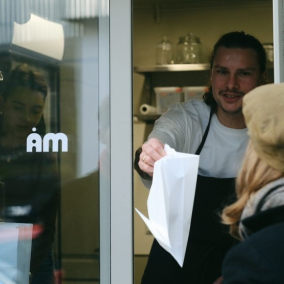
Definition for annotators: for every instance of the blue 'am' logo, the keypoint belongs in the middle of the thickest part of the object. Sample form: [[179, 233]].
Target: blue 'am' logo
[[34, 140]]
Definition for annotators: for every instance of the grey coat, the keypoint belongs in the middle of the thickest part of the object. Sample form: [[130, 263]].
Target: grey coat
[[260, 257]]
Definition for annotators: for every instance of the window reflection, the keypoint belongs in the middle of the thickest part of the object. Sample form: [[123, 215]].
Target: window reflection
[[37, 180], [29, 181]]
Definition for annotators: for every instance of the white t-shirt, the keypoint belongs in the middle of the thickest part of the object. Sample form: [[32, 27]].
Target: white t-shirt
[[182, 128]]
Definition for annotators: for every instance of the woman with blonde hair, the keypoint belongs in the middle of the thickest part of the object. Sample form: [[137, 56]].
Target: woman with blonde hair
[[257, 217]]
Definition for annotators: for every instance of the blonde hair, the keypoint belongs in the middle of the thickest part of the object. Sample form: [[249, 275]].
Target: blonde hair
[[253, 175]]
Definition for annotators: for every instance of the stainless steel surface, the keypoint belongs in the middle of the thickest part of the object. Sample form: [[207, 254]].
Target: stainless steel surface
[[190, 4], [172, 68]]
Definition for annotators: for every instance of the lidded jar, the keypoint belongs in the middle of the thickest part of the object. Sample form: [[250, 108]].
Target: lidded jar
[[164, 51], [192, 50], [180, 49]]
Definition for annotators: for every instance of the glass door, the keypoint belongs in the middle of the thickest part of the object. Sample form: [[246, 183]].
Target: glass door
[[278, 27], [66, 141]]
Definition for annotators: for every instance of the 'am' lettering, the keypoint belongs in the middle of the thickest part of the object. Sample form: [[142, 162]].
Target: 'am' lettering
[[34, 141]]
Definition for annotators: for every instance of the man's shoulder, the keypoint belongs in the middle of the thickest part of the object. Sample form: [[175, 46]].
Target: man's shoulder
[[199, 105], [191, 107]]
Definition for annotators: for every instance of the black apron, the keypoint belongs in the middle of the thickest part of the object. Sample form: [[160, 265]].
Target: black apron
[[208, 240]]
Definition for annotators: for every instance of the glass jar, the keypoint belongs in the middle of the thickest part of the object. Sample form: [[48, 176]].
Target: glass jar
[[180, 48], [192, 49], [164, 52]]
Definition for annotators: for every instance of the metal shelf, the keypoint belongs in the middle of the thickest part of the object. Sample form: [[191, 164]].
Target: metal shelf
[[147, 118], [172, 68], [142, 5], [178, 68]]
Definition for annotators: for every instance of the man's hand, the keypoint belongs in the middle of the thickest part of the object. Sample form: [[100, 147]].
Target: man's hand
[[152, 151]]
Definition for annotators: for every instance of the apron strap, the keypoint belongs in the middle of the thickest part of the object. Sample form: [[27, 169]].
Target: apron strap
[[205, 134], [263, 199]]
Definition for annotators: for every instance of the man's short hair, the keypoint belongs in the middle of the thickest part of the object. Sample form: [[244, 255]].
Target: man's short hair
[[236, 39]]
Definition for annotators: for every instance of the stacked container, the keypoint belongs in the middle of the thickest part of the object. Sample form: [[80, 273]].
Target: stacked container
[[166, 97], [194, 92]]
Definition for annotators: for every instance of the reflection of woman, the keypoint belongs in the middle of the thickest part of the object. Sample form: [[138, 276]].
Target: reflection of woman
[[29, 179], [257, 217], [5, 67]]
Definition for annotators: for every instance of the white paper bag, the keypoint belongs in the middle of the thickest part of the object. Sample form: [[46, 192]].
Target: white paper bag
[[170, 201], [15, 252]]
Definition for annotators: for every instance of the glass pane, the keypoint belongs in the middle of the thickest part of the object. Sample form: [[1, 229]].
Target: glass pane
[[278, 40], [54, 140]]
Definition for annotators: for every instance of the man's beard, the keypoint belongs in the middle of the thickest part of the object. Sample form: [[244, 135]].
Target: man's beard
[[236, 111]]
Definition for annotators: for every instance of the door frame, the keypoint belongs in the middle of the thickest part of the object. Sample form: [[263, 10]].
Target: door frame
[[116, 197]]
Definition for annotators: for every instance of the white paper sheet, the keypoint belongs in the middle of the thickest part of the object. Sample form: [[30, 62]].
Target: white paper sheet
[[170, 201], [15, 247], [9, 249]]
